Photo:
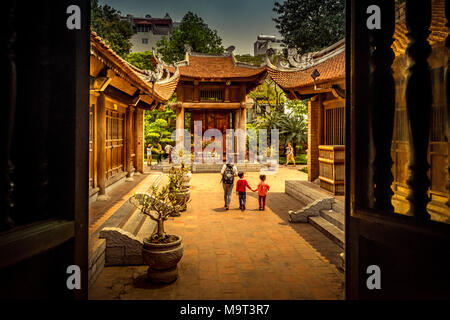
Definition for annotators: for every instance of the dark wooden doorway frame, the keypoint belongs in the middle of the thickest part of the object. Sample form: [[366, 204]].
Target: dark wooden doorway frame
[[411, 251]]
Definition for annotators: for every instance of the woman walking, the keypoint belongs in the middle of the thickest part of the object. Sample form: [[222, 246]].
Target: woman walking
[[290, 154]]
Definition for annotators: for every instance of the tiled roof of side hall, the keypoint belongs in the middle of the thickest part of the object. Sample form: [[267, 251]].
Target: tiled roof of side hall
[[203, 66], [162, 90], [331, 69]]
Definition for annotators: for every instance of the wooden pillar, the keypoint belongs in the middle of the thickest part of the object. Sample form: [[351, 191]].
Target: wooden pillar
[[129, 142], [227, 92], [180, 122], [101, 141], [196, 91], [235, 126], [139, 139], [242, 127], [313, 138]]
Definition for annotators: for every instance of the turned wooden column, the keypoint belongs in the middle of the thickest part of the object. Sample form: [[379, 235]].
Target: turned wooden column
[[101, 144], [418, 104], [130, 141], [139, 139], [382, 81], [447, 93]]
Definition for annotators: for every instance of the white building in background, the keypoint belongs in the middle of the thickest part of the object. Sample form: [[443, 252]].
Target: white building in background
[[265, 42], [148, 31]]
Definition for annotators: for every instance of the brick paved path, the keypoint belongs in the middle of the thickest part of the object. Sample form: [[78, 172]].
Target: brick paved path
[[237, 255]]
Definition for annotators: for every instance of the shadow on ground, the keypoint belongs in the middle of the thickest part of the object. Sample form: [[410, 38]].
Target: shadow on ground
[[280, 204]]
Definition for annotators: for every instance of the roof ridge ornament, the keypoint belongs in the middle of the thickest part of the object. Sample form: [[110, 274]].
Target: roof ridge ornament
[[230, 49], [303, 61], [188, 48]]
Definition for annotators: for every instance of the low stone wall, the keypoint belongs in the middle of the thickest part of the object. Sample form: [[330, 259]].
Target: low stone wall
[[209, 167], [122, 247], [215, 168]]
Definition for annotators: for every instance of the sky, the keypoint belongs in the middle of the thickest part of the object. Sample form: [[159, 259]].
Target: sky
[[238, 22]]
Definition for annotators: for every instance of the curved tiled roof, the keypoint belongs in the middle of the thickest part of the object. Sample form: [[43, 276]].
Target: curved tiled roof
[[202, 66], [162, 90], [331, 69]]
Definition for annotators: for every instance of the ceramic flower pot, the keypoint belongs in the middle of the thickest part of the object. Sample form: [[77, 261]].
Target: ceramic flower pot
[[162, 259]]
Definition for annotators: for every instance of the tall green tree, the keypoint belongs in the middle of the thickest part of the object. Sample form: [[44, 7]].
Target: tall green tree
[[269, 94], [310, 25], [106, 22], [293, 129], [194, 32], [142, 60]]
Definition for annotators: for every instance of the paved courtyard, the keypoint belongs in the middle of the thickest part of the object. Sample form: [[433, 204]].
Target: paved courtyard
[[238, 255]]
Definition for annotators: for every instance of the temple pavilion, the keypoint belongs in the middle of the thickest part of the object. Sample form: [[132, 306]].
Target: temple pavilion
[[213, 89]]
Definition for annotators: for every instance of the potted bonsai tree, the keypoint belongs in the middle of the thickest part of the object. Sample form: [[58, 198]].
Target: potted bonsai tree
[[179, 186], [161, 251]]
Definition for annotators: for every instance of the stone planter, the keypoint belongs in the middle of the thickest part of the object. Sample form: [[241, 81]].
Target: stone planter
[[187, 180], [162, 260], [183, 196]]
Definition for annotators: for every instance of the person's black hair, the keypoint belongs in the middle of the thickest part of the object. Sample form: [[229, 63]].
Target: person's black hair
[[262, 177], [240, 174]]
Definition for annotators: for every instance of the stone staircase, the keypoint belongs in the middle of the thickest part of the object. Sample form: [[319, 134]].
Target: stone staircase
[[330, 223], [321, 210], [130, 226]]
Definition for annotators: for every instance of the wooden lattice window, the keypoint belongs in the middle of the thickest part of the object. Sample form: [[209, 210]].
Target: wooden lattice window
[[212, 94], [334, 126]]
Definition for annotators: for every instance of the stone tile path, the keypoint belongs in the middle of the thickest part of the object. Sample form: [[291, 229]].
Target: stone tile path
[[237, 255]]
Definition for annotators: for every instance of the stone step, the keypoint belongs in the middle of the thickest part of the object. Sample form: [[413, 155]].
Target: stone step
[[339, 206], [304, 191], [311, 209], [331, 231], [335, 218], [128, 221], [134, 223], [96, 261], [146, 229]]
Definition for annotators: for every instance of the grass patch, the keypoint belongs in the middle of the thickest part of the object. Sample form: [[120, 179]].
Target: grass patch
[[299, 159]]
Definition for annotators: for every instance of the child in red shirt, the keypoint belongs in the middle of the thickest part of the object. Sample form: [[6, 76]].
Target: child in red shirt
[[262, 189], [241, 186]]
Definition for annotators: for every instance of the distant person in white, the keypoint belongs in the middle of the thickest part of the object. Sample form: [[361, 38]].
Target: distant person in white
[[168, 149]]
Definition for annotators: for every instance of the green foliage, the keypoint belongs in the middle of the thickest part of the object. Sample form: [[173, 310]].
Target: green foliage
[[310, 25], [268, 93], [194, 32], [298, 107], [159, 126], [142, 60], [253, 60], [106, 22], [300, 158], [293, 129]]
